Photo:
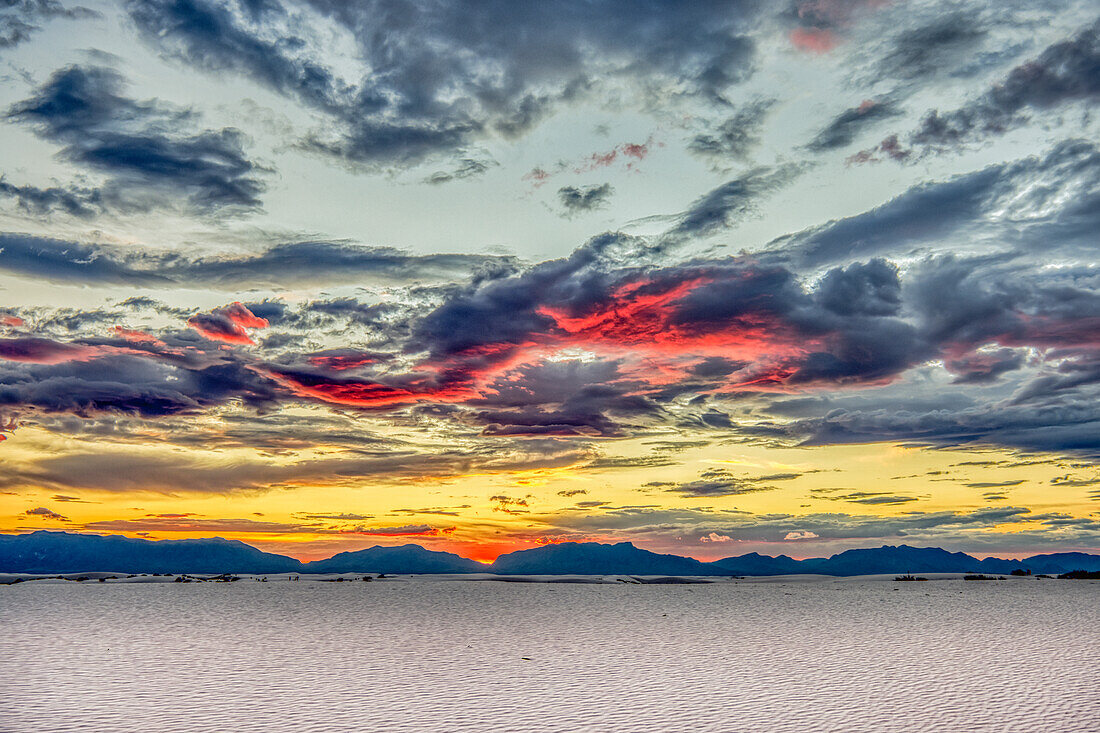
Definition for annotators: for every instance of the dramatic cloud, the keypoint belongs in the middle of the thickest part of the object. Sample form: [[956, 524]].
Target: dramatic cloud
[[147, 150], [431, 81], [1065, 72], [42, 351], [227, 324], [1052, 198], [791, 267]]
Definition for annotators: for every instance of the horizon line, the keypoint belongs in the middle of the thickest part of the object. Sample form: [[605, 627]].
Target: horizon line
[[1019, 557]]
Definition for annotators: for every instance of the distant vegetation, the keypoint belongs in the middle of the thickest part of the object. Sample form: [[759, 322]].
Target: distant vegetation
[[1080, 575]]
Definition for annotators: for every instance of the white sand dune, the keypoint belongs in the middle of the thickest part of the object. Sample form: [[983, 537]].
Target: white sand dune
[[789, 654]]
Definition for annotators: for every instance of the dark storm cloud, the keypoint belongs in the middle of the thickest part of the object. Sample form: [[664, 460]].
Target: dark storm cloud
[[503, 313], [436, 77], [228, 36], [977, 314], [848, 329], [582, 199], [149, 151], [567, 398], [478, 347], [20, 19], [869, 289], [1053, 199], [327, 261], [716, 366], [928, 212], [986, 366], [1064, 72], [292, 263], [591, 411], [1070, 427], [662, 334], [65, 261], [844, 128], [129, 384]]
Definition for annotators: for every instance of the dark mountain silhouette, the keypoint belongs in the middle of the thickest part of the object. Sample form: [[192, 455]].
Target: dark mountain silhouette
[[593, 558], [47, 552], [64, 552], [890, 559], [1058, 562], [757, 564], [408, 559]]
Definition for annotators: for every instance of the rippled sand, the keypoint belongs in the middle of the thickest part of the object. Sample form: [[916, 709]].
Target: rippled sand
[[946, 655]]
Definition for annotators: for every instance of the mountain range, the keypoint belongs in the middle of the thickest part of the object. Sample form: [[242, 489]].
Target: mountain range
[[64, 552]]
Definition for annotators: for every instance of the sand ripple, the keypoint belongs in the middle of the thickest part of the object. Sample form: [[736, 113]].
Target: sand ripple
[[449, 656]]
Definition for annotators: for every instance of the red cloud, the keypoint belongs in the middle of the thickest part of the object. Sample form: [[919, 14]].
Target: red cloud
[[43, 351], [638, 151], [369, 393], [636, 313], [344, 359], [538, 175], [11, 321], [227, 324], [243, 317], [889, 147], [641, 317], [137, 337], [593, 161]]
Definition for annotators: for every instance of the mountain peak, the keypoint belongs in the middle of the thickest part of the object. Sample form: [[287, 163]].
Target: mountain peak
[[50, 552]]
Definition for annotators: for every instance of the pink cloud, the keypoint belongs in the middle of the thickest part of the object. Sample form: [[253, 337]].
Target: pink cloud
[[227, 324]]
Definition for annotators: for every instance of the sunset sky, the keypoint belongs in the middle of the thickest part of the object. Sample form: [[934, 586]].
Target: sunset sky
[[711, 277]]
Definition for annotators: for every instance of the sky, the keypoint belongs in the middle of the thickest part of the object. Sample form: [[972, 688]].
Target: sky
[[714, 278]]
